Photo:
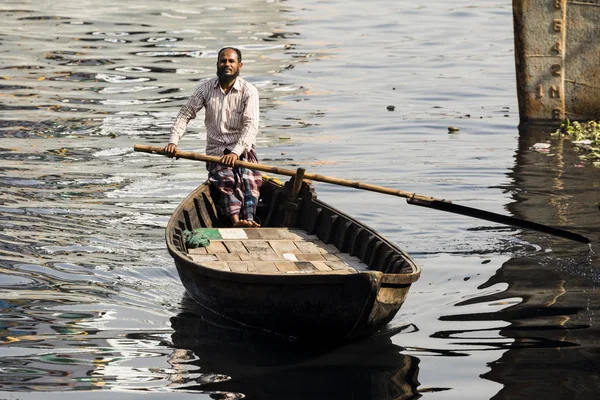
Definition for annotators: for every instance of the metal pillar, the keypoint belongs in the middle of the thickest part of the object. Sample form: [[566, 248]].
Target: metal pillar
[[557, 54]]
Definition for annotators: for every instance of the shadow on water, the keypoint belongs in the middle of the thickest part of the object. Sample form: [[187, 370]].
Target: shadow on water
[[249, 364], [555, 336]]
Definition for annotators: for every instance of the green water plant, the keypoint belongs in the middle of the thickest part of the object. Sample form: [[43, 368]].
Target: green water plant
[[584, 135]]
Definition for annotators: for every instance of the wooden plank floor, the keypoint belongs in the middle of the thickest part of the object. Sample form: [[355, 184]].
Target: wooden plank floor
[[272, 251]]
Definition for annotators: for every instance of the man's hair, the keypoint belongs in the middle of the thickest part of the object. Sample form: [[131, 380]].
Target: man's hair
[[238, 52]]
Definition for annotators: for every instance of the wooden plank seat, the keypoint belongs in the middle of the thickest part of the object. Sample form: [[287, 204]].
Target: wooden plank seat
[[272, 251]]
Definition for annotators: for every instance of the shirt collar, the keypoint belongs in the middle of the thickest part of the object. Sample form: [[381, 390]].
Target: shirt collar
[[237, 85]]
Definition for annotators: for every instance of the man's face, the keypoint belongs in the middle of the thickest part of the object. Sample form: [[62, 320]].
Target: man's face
[[228, 66]]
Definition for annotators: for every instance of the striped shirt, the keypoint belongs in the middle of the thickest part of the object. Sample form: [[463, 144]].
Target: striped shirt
[[231, 119]]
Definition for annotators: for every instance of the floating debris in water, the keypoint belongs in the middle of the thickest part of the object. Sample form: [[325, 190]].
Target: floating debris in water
[[453, 129], [391, 108], [541, 147]]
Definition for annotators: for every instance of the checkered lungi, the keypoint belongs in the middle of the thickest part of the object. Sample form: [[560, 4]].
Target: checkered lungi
[[239, 187]]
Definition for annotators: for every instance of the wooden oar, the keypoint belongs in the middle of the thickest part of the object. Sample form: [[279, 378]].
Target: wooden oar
[[411, 198]]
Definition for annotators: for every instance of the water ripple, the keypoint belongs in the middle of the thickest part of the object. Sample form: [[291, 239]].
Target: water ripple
[[89, 296]]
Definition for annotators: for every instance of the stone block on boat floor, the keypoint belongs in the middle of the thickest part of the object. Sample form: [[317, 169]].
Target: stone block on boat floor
[[290, 256], [286, 266], [305, 266], [284, 246], [197, 250], [228, 257], [216, 247], [233, 233], [326, 248], [274, 234], [258, 246], [263, 267], [353, 261], [235, 246], [297, 234], [307, 247], [263, 257], [330, 257], [321, 266], [202, 258], [253, 233], [272, 257], [220, 265], [239, 266], [338, 265], [310, 257]]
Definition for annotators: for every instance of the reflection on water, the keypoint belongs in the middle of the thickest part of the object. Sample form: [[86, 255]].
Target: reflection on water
[[256, 367], [90, 298], [554, 328]]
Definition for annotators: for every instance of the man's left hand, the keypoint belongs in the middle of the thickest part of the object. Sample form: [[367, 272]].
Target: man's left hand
[[229, 159]]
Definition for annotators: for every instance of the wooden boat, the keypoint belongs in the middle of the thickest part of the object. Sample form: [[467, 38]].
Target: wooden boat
[[309, 273]]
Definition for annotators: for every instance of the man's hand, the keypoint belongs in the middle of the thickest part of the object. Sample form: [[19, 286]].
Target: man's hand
[[229, 159], [170, 150]]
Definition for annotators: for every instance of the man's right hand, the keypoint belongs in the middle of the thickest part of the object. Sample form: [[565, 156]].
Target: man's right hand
[[170, 149]]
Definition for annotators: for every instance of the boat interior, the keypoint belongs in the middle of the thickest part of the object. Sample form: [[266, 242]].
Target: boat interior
[[298, 235]]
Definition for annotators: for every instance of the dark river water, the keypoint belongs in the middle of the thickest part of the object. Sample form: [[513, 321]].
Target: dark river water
[[90, 298]]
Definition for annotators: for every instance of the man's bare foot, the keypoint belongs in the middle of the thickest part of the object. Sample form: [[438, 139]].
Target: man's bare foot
[[242, 223]]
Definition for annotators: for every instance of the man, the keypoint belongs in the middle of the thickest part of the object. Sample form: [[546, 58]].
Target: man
[[231, 120]]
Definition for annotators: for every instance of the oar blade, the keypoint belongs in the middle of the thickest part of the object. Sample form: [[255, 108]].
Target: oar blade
[[499, 218]]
